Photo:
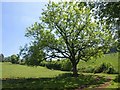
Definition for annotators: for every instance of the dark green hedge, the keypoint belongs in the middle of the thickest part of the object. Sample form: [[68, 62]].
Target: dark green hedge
[[64, 65]]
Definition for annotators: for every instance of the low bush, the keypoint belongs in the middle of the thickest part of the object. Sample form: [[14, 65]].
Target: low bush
[[64, 65], [105, 68], [102, 68], [89, 69], [22, 63], [117, 79], [53, 65]]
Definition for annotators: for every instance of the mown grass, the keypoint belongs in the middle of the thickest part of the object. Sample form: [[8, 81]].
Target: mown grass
[[93, 63], [113, 83], [107, 58], [14, 71], [61, 82], [29, 78]]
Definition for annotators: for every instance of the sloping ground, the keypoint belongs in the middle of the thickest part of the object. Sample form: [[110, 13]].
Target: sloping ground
[[93, 63], [110, 84], [61, 82], [21, 71], [24, 77]]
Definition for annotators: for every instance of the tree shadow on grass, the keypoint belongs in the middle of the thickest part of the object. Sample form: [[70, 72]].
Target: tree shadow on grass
[[61, 82], [117, 79]]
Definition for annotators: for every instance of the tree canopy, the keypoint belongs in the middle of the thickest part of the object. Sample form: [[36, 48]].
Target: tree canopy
[[14, 58], [69, 30], [1, 57]]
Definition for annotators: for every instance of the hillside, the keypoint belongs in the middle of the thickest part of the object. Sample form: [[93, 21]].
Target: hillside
[[14, 70], [15, 76], [107, 58]]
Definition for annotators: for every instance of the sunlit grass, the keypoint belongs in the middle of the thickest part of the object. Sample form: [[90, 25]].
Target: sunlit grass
[[107, 58], [14, 71], [61, 82], [22, 76]]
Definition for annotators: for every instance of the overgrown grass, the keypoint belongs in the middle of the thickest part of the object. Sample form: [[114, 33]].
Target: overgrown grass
[[90, 65]]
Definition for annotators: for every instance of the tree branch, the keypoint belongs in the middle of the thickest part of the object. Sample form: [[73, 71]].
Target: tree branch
[[66, 55]]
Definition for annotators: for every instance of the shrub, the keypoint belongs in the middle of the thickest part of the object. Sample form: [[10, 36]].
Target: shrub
[[110, 70], [117, 79], [51, 64], [100, 68], [22, 63], [66, 65], [105, 68], [89, 69], [14, 59], [43, 63]]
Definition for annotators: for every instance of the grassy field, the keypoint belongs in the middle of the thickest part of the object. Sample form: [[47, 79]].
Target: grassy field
[[62, 82], [22, 71], [21, 77], [107, 58], [16, 76]]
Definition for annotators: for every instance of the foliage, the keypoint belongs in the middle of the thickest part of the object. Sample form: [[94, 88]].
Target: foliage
[[105, 68], [102, 68], [7, 59], [89, 69], [64, 65], [1, 58], [53, 65], [110, 11], [117, 79], [14, 59], [32, 54], [67, 30], [109, 59]]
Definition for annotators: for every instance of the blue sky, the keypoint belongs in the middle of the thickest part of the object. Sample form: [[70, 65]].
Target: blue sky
[[16, 17]]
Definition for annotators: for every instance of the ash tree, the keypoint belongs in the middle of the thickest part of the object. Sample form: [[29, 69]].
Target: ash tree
[[69, 30]]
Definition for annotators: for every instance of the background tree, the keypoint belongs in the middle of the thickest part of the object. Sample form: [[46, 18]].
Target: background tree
[[1, 58], [67, 30], [32, 54], [7, 59], [14, 59], [111, 12]]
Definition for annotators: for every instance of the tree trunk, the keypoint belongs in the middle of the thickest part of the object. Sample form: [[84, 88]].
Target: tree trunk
[[75, 73]]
